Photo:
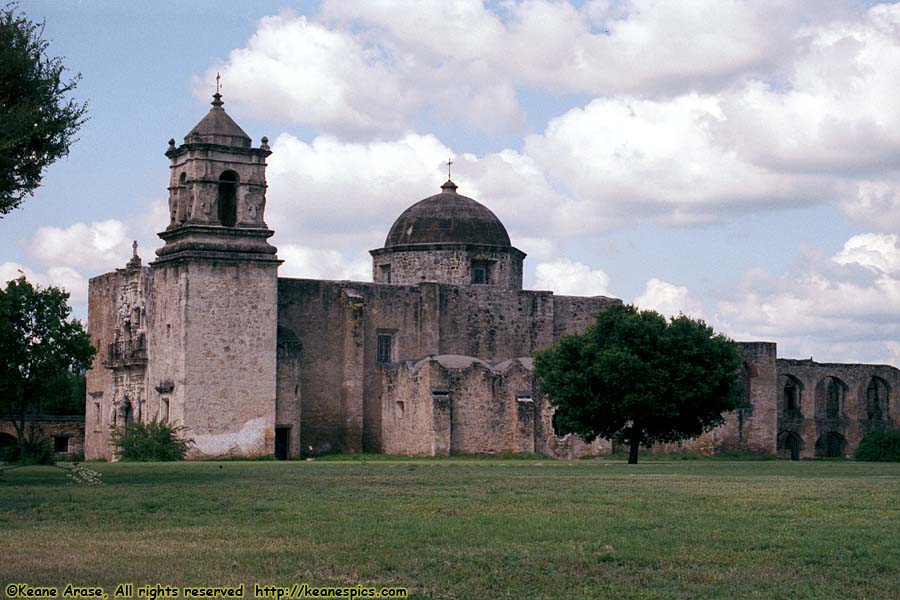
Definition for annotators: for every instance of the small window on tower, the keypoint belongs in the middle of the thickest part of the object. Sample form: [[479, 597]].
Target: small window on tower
[[384, 352], [164, 410], [385, 273], [227, 198]]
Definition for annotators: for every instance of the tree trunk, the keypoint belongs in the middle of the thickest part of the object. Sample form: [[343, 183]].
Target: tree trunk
[[635, 442]]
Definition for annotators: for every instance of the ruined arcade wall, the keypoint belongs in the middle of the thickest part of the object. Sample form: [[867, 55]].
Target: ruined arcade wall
[[810, 422]]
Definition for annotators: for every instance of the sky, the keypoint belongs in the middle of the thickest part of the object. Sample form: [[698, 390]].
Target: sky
[[738, 161]]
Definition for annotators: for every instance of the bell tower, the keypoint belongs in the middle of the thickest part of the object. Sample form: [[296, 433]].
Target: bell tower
[[212, 341], [217, 192]]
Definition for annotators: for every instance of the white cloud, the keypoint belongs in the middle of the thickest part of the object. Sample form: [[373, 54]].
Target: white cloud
[[307, 73], [571, 278], [315, 263], [371, 67], [668, 299], [875, 204], [11, 270], [775, 105], [845, 308], [97, 246], [65, 253], [833, 107], [330, 193], [880, 252], [623, 160], [62, 277]]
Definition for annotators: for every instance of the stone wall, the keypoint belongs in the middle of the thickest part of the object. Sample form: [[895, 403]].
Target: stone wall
[[67, 427], [752, 427], [338, 325], [104, 294], [451, 404], [810, 424], [447, 263], [209, 359], [229, 378]]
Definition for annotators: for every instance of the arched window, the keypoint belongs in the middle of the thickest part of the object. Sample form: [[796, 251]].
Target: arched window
[[790, 445], [834, 394], [831, 445], [227, 198], [876, 399], [791, 396], [831, 394]]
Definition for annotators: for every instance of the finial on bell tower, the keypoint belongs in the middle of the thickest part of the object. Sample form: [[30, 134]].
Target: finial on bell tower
[[217, 97]]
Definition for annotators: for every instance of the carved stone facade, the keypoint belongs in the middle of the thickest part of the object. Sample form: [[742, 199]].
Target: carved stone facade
[[431, 358], [126, 356]]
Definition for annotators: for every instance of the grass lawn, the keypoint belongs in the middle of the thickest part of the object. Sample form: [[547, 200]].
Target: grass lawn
[[480, 529]]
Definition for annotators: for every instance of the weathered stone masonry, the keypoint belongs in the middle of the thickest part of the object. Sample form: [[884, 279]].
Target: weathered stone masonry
[[431, 358]]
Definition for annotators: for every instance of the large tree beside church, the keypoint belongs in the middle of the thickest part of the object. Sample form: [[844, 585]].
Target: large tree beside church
[[41, 351], [39, 121], [637, 378]]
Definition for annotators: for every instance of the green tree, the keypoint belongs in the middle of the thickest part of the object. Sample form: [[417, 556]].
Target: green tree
[[636, 378], [41, 351], [38, 121]]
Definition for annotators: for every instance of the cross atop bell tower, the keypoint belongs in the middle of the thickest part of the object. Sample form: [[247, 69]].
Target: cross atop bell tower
[[217, 192]]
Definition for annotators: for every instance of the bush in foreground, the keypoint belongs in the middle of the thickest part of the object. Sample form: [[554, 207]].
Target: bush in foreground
[[35, 449], [151, 441], [879, 446]]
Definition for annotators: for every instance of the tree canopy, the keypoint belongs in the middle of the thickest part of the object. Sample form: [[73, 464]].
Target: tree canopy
[[38, 121], [41, 351], [636, 378]]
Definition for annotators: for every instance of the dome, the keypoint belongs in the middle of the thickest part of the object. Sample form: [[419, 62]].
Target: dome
[[447, 217]]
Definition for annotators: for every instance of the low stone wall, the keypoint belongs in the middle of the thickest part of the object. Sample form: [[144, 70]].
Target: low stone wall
[[66, 432]]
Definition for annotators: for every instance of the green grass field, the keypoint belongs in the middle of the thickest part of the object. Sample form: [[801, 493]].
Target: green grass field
[[466, 528]]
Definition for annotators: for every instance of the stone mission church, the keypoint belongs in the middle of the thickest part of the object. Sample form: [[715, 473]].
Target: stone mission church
[[431, 358]]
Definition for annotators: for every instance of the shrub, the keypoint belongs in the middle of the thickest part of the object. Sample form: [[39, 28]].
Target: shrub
[[36, 450], [879, 446], [151, 441]]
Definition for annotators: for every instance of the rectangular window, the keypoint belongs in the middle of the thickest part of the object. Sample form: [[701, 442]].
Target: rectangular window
[[385, 273], [61, 443], [164, 410], [97, 410], [384, 352], [481, 272]]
